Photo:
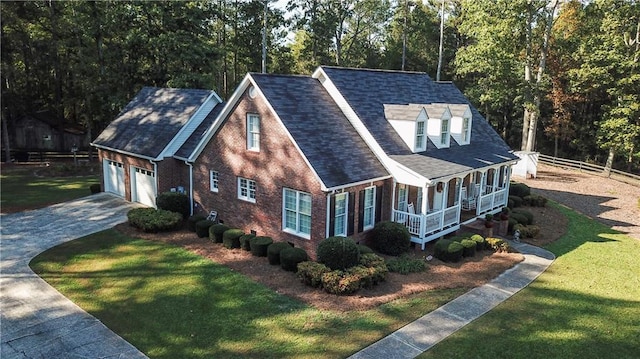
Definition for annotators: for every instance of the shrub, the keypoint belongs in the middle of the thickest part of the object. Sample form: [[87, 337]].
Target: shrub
[[391, 238], [512, 222], [310, 273], [469, 248], [154, 220], [528, 215], [454, 252], [406, 265], [534, 201], [216, 232], [440, 249], [290, 257], [259, 245], [518, 218], [498, 245], [230, 237], [515, 202], [339, 282], [174, 202], [519, 190], [273, 251], [377, 264], [480, 242], [338, 253], [530, 231], [95, 188], [202, 228], [191, 221], [364, 249], [244, 241]]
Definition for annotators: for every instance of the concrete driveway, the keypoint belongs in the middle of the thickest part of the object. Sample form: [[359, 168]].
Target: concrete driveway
[[36, 321]]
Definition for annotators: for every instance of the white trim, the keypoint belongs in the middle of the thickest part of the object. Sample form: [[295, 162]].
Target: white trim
[[213, 181], [372, 207], [345, 215], [353, 184], [250, 119], [295, 231], [247, 188], [131, 154]]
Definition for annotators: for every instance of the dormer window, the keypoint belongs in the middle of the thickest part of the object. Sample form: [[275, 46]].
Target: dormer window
[[465, 129], [444, 132], [420, 136]]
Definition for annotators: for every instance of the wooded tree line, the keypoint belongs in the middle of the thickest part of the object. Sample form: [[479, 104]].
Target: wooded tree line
[[557, 76]]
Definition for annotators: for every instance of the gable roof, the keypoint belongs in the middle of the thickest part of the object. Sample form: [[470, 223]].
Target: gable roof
[[367, 92], [190, 144], [151, 121], [327, 140]]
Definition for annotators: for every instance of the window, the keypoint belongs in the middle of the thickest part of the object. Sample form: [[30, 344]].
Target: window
[[369, 207], [246, 189], [340, 223], [402, 198], [420, 145], [213, 181], [465, 130], [253, 132], [444, 132], [297, 213]]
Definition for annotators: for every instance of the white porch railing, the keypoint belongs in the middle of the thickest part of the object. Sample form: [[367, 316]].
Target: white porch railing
[[426, 227], [492, 201]]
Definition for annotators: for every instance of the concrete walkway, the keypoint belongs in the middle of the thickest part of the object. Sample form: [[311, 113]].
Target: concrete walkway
[[420, 335], [36, 321]]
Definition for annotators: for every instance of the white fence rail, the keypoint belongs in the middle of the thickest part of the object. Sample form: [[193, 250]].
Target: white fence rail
[[630, 178]]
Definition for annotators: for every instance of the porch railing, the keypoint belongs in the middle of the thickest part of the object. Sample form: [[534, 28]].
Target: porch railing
[[492, 201], [425, 225]]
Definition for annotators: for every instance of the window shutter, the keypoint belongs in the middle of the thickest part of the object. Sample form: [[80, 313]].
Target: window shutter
[[351, 214], [378, 204], [360, 211], [332, 215]]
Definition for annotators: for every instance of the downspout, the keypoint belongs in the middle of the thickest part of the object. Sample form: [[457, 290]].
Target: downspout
[[190, 185], [155, 172], [327, 213]]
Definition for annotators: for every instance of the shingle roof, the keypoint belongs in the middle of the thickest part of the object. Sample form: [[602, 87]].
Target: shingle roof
[[367, 91], [190, 144], [330, 143], [151, 120]]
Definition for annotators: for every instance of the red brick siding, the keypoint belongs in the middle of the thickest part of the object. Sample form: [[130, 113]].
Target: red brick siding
[[127, 162]]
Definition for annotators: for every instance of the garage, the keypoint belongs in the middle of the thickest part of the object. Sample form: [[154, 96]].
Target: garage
[[113, 177], [143, 186]]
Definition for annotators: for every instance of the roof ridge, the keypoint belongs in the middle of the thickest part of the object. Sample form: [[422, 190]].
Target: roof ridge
[[375, 70]]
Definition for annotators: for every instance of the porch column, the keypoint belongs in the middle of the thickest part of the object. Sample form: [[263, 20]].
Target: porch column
[[424, 206]]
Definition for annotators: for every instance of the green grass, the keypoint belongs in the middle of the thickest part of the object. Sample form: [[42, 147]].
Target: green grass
[[171, 303], [20, 189], [586, 305]]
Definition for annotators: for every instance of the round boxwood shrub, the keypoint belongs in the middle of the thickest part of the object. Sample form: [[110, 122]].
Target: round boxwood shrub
[[273, 252], [519, 190], [391, 238], [440, 249], [95, 188], [192, 220], [338, 253], [154, 220], [216, 232], [522, 212], [259, 245], [231, 237], [514, 202], [469, 248], [202, 228], [174, 202], [244, 241], [310, 273], [480, 242], [291, 256], [519, 218], [364, 249], [454, 251]]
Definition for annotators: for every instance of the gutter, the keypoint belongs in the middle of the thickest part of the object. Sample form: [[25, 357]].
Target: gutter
[[190, 186]]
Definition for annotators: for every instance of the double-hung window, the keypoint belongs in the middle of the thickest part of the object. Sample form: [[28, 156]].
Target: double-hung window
[[297, 213], [369, 208], [340, 207], [465, 130], [213, 181], [420, 143], [246, 189], [253, 132], [444, 132]]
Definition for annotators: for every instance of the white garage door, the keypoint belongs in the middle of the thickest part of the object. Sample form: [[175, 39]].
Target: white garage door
[[113, 177], [143, 186]]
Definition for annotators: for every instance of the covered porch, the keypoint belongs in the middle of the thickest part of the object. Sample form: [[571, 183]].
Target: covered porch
[[440, 207]]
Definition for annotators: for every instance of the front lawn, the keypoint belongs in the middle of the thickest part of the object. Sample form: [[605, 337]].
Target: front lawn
[[171, 303], [32, 186], [586, 305]]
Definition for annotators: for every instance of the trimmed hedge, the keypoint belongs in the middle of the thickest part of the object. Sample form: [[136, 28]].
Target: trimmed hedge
[[216, 232], [523, 213], [273, 252], [310, 273], [259, 245], [364, 249], [530, 231], [338, 253], [519, 190], [291, 257], [244, 241], [534, 201], [469, 247], [498, 245], [514, 202], [454, 252], [191, 221], [95, 188], [519, 218], [440, 249], [154, 220], [406, 265], [202, 228], [480, 242], [391, 238], [230, 237], [174, 202], [371, 271]]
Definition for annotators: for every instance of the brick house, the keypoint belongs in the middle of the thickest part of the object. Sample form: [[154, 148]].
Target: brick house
[[301, 158]]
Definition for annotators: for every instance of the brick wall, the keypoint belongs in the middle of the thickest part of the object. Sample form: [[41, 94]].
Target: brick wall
[[127, 162]]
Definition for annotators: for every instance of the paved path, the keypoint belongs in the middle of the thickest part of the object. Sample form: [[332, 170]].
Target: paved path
[[36, 321], [420, 335]]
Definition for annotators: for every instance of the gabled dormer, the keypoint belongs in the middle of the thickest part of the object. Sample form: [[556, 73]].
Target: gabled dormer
[[438, 124], [461, 120], [418, 123]]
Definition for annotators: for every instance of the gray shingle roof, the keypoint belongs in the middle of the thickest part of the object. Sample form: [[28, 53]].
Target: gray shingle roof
[[190, 144], [330, 143], [367, 91], [151, 120]]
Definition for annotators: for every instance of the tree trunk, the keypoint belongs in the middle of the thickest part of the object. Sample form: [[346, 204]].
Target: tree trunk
[[609, 164], [5, 136]]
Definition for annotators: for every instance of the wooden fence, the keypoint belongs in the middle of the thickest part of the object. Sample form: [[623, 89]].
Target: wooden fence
[[50, 156], [626, 177]]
